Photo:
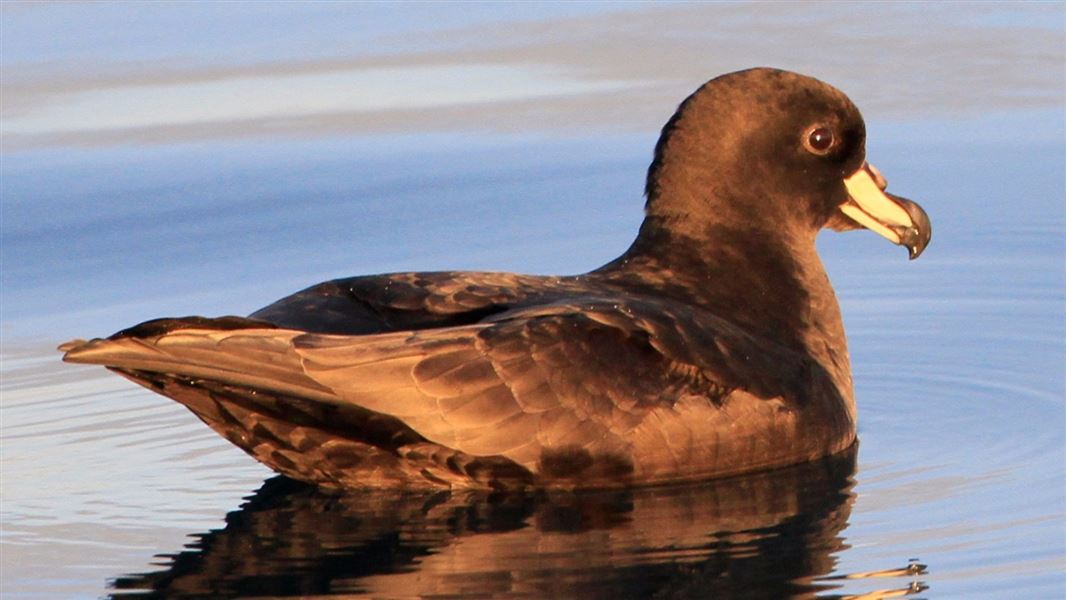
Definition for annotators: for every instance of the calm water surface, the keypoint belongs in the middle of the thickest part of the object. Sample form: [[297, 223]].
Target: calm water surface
[[956, 489], [165, 159]]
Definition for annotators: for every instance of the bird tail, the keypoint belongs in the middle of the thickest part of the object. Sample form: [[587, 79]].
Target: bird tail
[[245, 379], [228, 350]]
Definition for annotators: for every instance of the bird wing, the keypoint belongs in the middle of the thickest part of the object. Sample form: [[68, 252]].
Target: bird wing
[[547, 387], [559, 388], [403, 301]]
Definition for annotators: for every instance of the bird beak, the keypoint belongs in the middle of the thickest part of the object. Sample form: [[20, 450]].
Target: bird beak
[[898, 220]]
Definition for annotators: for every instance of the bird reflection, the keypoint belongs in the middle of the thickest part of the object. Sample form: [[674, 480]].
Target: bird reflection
[[768, 535]]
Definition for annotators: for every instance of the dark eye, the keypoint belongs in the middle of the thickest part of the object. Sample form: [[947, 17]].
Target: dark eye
[[819, 140]]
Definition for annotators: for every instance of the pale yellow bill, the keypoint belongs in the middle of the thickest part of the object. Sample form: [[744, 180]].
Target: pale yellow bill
[[870, 207]]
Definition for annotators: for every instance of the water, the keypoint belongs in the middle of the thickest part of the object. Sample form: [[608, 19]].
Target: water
[[957, 488]]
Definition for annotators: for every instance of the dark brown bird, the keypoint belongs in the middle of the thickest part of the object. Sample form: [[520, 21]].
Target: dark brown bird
[[712, 346]]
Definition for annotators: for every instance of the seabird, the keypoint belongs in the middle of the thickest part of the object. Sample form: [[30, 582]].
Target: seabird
[[713, 346]]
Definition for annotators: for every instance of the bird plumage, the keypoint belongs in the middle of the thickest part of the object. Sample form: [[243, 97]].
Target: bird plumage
[[713, 346]]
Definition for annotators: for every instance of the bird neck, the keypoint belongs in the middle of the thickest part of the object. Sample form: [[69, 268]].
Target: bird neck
[[770, 283]]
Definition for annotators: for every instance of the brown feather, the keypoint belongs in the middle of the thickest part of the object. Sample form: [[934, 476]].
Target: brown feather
[[712, 346]]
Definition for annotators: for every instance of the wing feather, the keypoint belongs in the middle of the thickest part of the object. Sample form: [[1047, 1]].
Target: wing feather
[[522, 386], [487, 407], [455, 374], [564, 389]]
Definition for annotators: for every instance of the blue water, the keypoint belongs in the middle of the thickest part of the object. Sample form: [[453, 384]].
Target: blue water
[[958, 356], [958, 489]]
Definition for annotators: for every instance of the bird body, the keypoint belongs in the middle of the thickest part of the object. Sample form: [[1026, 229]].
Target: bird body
[[713, 346]]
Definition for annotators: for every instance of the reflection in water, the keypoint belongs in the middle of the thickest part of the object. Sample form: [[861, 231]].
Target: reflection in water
[[958, 360], [769, 535]]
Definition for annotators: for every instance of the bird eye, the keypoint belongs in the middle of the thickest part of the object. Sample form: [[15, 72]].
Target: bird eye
[[819, 140]]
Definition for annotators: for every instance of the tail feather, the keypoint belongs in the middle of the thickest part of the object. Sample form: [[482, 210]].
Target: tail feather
[[249, 385], [251, 358]]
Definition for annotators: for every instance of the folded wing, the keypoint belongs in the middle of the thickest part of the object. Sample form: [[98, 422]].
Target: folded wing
[[563, 390]]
